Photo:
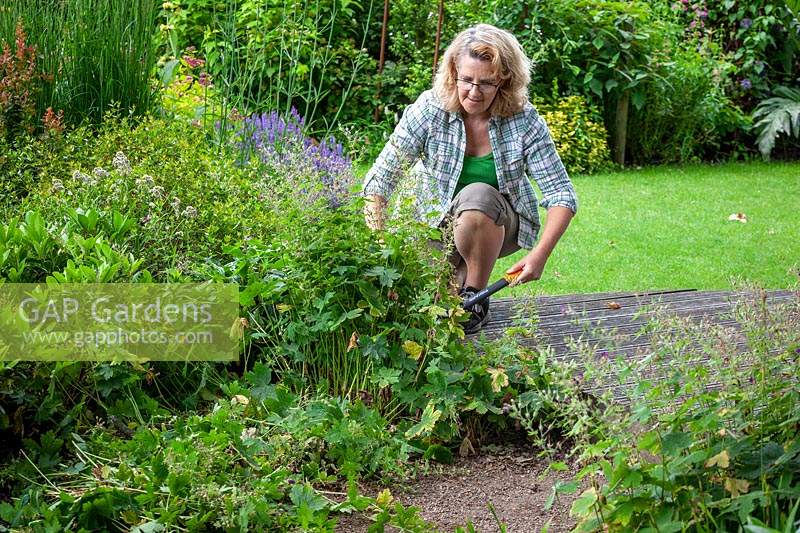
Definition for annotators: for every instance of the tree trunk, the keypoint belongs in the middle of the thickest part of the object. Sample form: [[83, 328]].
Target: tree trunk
[[382, 58], [438, 37], [621, 127]]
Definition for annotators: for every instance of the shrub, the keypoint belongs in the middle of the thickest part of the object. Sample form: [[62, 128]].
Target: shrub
[[578, 133], [710, 439], [687, 115], [19, 86], [186, 198]]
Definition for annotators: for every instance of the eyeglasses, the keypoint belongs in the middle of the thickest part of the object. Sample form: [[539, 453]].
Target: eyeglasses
[[483, 87]]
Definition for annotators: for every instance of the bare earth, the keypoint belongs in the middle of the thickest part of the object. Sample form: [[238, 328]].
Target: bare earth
[[512, 479]]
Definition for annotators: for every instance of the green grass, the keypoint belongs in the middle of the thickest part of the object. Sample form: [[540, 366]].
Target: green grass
[[668, 228]]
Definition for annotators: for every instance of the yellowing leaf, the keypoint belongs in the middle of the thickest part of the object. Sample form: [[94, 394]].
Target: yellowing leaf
[[499, 378], [430, 415], [413, 349], [740, 217], [722, 460], [237, 329], [282, 308], [736, 486], [240, 399], [384, 498]]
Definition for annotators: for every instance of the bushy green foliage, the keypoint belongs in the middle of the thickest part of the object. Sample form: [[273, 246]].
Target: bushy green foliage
[[265, 56], [759, 38], [254, 462], [775, 116], [92, 54], [578, 133], [710, 439], [687, 115], [329, 310]]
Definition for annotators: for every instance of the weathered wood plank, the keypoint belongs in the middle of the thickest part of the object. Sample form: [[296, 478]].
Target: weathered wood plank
[[561, 321]]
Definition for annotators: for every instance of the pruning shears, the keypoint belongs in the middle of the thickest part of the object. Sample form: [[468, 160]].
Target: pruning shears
[[480, 296]]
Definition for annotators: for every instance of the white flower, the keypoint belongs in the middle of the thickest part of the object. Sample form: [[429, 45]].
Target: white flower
[[146, 180], [157, 191], [190, 212], [77, 175], [58, 185], [121, 163], [100, 172], [248, 433]]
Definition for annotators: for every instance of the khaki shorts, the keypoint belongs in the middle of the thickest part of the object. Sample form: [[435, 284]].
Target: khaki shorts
[[488, 200]]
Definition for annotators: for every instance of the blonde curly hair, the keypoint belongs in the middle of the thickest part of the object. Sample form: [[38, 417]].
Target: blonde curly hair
[[499, 47]]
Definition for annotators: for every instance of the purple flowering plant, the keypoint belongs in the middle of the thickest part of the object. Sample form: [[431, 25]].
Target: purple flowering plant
[[280, 143]]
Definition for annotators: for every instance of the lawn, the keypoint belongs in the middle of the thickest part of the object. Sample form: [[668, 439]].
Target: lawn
[[668, 228]]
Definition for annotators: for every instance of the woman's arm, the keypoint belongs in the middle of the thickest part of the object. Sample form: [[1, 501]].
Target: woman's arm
[[403, 147], [532, 265], [375, 212]]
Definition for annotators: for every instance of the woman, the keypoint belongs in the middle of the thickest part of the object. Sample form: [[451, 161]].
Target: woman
[[476, 140]]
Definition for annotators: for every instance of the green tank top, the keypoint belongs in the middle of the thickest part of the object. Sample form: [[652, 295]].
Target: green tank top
[[477, 169]]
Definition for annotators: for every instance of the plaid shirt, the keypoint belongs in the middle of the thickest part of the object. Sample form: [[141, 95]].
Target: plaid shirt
[[436, 140]]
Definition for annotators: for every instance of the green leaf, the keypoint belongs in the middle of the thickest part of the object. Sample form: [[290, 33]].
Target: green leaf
[[386, 276], [569, 487], [596, 86], [777, 115], [672, 444], [260, 379], [385, 377], [167, 73], [584, 504], [638, 99], [439, 453]]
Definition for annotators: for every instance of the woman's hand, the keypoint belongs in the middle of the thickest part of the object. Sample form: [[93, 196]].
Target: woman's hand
[[532, 265], [529, 267]]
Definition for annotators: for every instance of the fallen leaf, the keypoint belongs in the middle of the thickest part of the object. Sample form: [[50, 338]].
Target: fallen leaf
[[466, 449], [613, 305], [353, 342], [741, 217]]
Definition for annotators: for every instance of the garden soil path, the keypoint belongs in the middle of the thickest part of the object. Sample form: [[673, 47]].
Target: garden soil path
[[511, 478]]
